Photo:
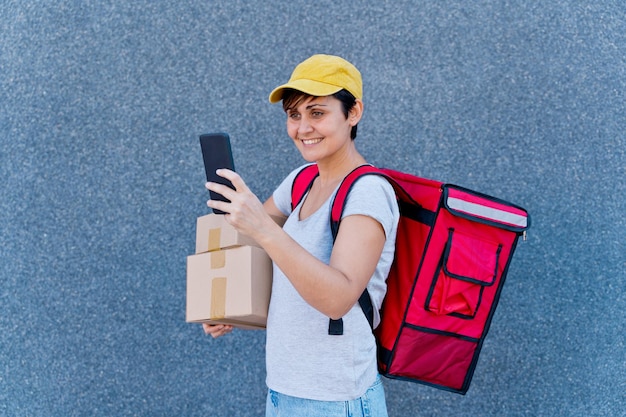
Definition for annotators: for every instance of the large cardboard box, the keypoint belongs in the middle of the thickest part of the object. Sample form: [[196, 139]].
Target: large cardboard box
[[213, 233], [230, 286]]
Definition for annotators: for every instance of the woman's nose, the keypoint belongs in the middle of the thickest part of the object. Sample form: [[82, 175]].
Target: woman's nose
[[304, 126]]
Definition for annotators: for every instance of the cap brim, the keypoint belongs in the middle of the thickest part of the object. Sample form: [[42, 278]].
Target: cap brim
[[314, 88]]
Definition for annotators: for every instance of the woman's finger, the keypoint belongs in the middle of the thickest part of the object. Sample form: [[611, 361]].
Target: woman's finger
[[216, 330], [218, 205], [234, 178], [222, 189]]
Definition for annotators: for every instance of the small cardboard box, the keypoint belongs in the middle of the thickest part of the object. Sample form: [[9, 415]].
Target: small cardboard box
[[230, 286], [213, 233]]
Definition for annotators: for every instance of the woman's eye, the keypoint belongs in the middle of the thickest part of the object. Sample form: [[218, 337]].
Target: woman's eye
[[294, 116], [317, 114]]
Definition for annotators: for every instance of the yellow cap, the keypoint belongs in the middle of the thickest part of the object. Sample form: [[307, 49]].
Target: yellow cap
[[322, 75]]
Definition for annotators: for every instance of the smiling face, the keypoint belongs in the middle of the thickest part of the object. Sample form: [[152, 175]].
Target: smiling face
[[319, 127]]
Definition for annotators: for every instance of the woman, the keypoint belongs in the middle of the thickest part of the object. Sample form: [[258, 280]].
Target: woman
[[310, 372]]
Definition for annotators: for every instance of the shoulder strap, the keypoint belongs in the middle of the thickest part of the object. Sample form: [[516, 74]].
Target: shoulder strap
[[407, 204], [302, 184], [339, 202]]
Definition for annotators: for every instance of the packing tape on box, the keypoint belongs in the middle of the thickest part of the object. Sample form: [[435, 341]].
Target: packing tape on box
[[214, 238], [218, 259], [218, 298]]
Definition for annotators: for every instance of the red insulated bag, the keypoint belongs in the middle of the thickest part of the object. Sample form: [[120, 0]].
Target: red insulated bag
[[453, 250]]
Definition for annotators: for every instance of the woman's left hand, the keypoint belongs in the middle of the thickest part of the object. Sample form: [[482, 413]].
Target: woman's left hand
[[216, 330], [245, 212]]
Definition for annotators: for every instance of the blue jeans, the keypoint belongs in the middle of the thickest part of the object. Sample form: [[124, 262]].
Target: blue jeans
[[370, 404]]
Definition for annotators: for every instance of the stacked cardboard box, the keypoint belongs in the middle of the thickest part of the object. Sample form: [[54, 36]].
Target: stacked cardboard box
[[229, 279]]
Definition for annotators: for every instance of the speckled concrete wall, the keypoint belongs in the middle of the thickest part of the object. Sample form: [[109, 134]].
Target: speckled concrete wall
[[101, 105]]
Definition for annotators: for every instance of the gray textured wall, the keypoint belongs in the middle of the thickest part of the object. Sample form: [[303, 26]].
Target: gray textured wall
[[101, 105]]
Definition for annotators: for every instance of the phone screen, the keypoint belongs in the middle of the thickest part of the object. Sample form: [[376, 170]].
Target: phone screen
[[217, 153]]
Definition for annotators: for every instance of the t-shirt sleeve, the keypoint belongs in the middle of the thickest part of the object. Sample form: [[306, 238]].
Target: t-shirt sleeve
[[373, 196]]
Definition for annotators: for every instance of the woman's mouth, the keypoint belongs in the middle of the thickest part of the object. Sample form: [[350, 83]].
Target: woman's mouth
[[311, 141]]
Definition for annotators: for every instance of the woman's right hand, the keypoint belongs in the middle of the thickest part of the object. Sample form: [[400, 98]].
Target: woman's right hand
[[216, 330]]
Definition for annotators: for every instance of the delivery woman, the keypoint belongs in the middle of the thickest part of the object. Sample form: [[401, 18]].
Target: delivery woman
[[309, 371]]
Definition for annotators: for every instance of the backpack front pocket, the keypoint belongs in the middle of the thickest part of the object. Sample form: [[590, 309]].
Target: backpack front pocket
[[468, 265]]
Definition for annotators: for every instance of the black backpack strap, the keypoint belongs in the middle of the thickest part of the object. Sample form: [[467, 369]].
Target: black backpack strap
[[335, 327]]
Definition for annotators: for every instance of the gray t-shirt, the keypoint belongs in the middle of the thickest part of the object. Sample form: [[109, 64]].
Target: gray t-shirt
[[302, 359]]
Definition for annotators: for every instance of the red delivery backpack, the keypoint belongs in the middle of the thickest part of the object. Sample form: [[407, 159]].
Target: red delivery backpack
[[453, 250]]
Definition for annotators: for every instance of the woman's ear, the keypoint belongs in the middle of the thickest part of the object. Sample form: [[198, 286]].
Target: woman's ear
[[354, 116]]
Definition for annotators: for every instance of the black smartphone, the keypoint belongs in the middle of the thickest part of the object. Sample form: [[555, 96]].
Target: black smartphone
[[217, 153]]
